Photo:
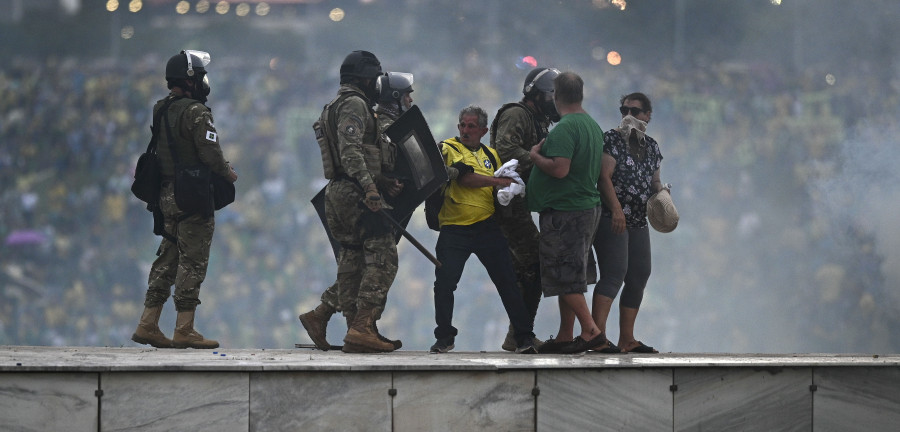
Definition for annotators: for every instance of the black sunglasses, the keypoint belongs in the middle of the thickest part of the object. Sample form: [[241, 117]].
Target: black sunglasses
[[633, 110]]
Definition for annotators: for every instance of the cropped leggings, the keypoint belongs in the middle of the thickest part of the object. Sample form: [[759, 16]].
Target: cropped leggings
[[622, 258]]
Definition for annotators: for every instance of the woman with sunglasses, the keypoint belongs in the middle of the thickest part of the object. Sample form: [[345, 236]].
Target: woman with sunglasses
[[629, 176]]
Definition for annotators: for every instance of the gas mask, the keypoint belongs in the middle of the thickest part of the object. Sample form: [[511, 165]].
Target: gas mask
[[197, 73], [548, 107]]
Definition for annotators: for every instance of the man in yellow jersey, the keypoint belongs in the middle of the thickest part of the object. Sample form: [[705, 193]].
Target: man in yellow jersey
[[468, 226]]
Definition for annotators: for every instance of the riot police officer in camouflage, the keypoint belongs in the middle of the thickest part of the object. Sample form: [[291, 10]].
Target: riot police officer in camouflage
[[393, 89], [354, 160], [183, 254], [517, 127]]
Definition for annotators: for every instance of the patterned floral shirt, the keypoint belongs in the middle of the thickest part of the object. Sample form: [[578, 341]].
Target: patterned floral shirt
[[632, 177]]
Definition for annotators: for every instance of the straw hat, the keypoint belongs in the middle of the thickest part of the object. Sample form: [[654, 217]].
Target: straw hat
[[661, 212]]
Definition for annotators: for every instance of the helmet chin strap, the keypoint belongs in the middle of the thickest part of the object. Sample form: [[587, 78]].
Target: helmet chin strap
[[371, 92], [190, 68]]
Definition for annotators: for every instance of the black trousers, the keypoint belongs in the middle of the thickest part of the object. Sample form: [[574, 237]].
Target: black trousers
[[484, 239]]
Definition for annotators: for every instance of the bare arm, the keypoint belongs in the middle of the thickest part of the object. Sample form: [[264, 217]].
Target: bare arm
[[557, 167], [608, 192], [473, 180], [656, 184]]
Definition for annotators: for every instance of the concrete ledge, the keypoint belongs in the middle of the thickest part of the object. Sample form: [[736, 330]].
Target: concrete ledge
[[88, 388], [105, 359]]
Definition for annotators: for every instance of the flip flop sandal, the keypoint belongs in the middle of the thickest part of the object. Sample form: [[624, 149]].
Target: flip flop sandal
[[611, 349], [643, 349]]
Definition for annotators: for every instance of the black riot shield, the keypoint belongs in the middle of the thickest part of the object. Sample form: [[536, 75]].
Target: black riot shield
[[419, 166], [318, 203]]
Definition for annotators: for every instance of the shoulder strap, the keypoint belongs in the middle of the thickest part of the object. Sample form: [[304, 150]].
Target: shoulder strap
[[490, 156], [154, 127], [506, 107], [452, 146], [169, 136]]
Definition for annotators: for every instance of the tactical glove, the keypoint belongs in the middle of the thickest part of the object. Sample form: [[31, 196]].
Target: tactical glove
[[373, 199]]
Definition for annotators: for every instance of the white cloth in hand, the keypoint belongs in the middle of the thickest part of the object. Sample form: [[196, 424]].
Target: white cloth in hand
[[516, 188]]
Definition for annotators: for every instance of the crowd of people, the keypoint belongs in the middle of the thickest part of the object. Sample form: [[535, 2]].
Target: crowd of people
[[759, 251]]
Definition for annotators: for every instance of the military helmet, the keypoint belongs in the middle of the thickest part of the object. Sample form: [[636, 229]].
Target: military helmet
[[393, 85], [187, 64], [360, 64], [540, 79]]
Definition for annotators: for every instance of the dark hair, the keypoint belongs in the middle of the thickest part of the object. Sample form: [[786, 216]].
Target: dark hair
[[569, 88], [640, 97]]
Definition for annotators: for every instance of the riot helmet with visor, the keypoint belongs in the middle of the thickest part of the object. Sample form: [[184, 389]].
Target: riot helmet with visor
[[539, 89], [392, 88], [189, 66]]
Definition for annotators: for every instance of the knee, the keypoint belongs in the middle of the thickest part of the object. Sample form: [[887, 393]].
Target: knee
[[608, 287]]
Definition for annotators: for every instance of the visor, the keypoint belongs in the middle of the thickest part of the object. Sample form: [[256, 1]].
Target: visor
[[202, 55], [400, 81]]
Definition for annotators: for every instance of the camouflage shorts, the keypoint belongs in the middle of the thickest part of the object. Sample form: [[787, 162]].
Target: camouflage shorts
[[566, 238]]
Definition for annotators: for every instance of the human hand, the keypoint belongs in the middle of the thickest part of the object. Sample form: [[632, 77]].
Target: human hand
[[391, 186], [618, 222], [536, 149], [373, 198], [504, 181], [232, 174]]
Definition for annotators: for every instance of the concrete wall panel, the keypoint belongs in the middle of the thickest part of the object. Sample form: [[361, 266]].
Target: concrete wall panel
[[170, 401], [42, 402], [464, 401], [320, 401], [604, 400], [856, 398], [744, 399]]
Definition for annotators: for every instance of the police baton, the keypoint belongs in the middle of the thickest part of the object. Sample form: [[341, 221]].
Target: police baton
[[411, 239]]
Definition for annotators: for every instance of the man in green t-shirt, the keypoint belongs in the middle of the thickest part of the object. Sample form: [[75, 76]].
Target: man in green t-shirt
[[563, 189]]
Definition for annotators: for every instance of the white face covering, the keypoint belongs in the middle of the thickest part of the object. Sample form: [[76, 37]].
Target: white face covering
[[631, 123], [632, 130]]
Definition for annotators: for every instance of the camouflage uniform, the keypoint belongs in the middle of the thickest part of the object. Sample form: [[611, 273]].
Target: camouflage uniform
[[184, 262], [367, 263], [350, 272], [516, 129]]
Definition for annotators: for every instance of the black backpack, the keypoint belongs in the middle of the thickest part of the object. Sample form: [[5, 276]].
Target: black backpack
[[435, 201]]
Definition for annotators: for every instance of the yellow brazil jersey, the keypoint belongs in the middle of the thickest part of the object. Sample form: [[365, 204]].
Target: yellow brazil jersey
[[462, 205]]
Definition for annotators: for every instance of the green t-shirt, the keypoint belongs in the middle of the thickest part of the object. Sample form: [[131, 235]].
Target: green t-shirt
[[578, 138]]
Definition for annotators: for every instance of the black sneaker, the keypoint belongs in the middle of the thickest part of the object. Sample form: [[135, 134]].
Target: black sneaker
[[443, 345]]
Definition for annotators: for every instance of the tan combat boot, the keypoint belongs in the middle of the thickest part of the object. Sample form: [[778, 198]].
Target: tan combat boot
[[315, 322], [351, 348], [185, 335], [362, 337], [396, 343], [148, 332]]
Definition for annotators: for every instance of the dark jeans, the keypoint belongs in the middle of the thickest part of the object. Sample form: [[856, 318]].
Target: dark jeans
[[485, 240]]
